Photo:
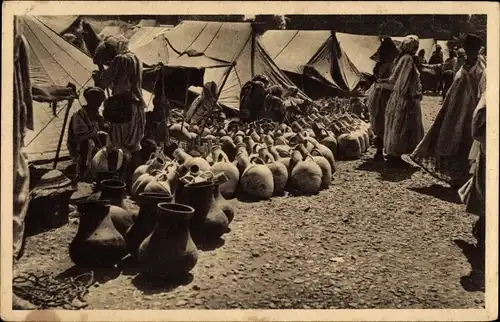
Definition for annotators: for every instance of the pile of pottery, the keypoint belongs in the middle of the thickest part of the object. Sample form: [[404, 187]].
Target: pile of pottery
[[181, 210]]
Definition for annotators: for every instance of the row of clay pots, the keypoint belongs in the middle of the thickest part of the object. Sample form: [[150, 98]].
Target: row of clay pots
[[162, 237]]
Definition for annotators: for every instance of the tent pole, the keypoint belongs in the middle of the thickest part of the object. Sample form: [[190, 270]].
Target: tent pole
[[219, 92], [63, 129], [252, 55], [224, 80]]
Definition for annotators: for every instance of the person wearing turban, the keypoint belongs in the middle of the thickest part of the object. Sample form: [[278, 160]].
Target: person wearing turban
[[125, 109], [85, 126], [381, 92], [437, 58], [460, 60], [403, 117], [445, 148]]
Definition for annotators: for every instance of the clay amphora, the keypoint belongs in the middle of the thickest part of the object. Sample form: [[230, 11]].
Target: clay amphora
[[209, 220], [145, 220], [157, 163], [222, 165], [223, 203], [97, 242], [114, 191], [169, 250]]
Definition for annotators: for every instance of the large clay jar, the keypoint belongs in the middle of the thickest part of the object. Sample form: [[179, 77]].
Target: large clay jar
[[141, 182], [278, 169], [223, 203], [97, 242], [228, 146], [306, 175], [256, 179], [326, 169], [209, 221], [169, 251], [153, 164], [165, 181], [185, 160], [114, 191], [223, 165], [146, 219]]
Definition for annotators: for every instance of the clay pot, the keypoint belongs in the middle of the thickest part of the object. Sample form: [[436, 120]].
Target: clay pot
[[153, 164], [97, 242], [326, 169], [306, 175], [222, 165], [169, 251], [145, 220], [256, 178], [223, 204], [228, 147], [209, 220], [114, 191], [185, 160], [278, 170], [164, 182], [141, 183]]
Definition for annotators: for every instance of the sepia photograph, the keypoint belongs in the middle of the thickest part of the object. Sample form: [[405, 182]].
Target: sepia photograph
[[252, 159]]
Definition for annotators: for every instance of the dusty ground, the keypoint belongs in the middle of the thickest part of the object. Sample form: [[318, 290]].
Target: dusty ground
[[377, 238]]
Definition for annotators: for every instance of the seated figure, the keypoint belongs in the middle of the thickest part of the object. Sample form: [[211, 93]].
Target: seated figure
[[85, 128]]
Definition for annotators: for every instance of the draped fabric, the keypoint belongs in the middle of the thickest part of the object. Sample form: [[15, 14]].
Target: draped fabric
[[252, 98], [378, 98], [201, 107], [403, 118], [473, 193], [124, 77], [23, 119], [274, 108], [445, 148]]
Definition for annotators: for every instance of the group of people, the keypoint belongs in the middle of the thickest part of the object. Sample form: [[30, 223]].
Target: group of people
[[444, 71], [453, 150], [259, 99]]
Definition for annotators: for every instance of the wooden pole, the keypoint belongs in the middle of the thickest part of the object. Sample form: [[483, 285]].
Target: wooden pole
[[63, 130]]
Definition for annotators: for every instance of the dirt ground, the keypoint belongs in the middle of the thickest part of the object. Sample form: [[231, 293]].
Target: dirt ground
[[378, 238]]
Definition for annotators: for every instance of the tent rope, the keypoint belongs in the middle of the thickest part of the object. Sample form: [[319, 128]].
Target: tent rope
[[56, 116]]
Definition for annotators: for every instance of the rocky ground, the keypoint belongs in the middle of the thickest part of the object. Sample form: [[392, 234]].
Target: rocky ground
[[378, 238]]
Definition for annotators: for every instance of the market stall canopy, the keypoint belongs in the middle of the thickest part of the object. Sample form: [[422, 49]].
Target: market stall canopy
[[312, 53], [208, 44], [54, 62], [359, 49]]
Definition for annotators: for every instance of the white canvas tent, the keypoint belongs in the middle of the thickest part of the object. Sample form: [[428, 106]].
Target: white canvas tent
[[59, 23], [144, 34], [53, 62], [313, 53], [213, 46], [427, 44], [360, 49]]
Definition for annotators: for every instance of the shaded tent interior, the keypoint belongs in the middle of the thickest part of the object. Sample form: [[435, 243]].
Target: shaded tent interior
[[228, 53], [315, 57], [54, 63]]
